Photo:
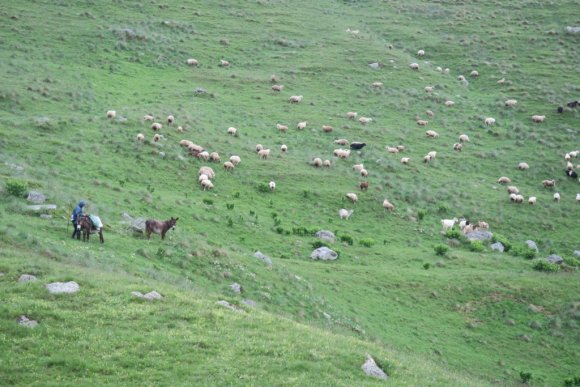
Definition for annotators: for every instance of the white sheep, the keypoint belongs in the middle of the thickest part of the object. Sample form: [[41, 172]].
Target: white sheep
[[282, 128], [148, 117], [513, 197], [352, 197], [156, 126], [341, 141], [259, 147], [489, 121], [202, 177], [206, 171], [111, 114], [432, 134], [284, 148], [364, 172], [206, 184], [461, 78], [414, 66], [501, 81], [345, 214], [519, 199], [140, 137], [351, 115], [194, 149], [185, 143], [342, 153], [326, 163], [273, 78], [458, 147], [214, 156], [301, 125], [504, 180], [229, 166], [532, 200], [549, 183], [358, 167], [432, 155], [523, 166], [429, 89], [401, 148], [170, 119], [574, 153], [277, 87], [224, 63], [557, 197], [204, 155], [157, 137], [538, 119], [392, 149], [232, 130], [446, 71], [474, 74], [317, 162], [192, 62], [327, 128], [377, 84], [430, 113], [405, 160], [295, 99], [388, 206], [464, 138], [449, 103], [235, 160], [513, 189], [421, 53], [264, 153], [511, 103], [439, 69], [482, 224], [427, 159], [272, 186], [180, 129], [448, 224], [364, 120], [422, 122], [578, 198]]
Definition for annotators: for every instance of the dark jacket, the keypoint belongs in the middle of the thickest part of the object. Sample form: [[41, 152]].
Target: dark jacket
[[78, 211]]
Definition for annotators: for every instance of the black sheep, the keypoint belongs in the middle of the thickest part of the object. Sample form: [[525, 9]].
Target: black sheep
[[573, 104], [560, 109], [572, 174], [357, 145]]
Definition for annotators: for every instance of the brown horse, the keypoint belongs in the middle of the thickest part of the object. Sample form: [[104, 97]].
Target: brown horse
[[85, 225], [159, 227]]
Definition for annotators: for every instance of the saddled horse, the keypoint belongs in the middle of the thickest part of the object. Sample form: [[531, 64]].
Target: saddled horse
[[159, 227], [86, 226]]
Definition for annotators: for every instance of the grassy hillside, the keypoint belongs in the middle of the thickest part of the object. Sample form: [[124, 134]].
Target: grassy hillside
[[468, 316]]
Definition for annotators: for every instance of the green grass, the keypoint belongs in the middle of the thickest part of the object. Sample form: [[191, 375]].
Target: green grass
[[468, 316]]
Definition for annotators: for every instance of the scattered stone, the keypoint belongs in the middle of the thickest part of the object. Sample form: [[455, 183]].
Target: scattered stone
[[1, 274], [526, 338], [46, 216], [162, 154], [573, 30], [532, 245], [153, 295], [510, 322], [27, 278], [137, 294], [267, 260], [250, 303], [555, 259], [14, 166], [325, 235], [26, 322], [138, 225], [479, 235], [41, 207], [236, 287], [497, 246], [63, 287], [36, 197], [453, 242], [374, 65], [230, 306], [324, 253], [200, 90], [534, 308], [371, 368], [326, 316], [577, 253], [535, 325], [440, 263]]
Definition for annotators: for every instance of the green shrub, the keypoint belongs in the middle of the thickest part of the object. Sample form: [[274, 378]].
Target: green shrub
[[230, 206], [426, 266], [16, 188], [367, 242], [318, 244], [440, 249], [523, 251], [263, 187], [453, 233], [574, 262], [421, 214], [525, 376], [209, 202], [476, 246], [543, 265], [503, 240], [347, 239], [575, 381]]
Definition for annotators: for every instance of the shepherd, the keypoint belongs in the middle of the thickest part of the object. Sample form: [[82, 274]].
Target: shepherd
[[76, 214], [159, 227]]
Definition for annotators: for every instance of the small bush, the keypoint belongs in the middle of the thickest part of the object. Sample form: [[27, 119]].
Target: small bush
[[347, 239], [574, 262], [367, 242], [476, 246], [426, 266], [440, 249], [443, 208], [421, 214], [543, 265], [503, 240], [525, 376], [453, 233], [209, 202], [523, 251], [230, 206], [263, 187], [575, 381], [318, 244], [16, 188]]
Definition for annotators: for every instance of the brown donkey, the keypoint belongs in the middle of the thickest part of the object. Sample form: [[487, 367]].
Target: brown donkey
[[86, 227], [159, 227]]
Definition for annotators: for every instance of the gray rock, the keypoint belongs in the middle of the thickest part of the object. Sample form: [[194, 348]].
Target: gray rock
[[267, 260], [14, 166], [153, 295], [46, 216], [371, 368], [577, 253], [555, 259], [325, 235], [138, 225], [63, 287], [497, 246], [374, 65], [36, 197], [1, 274], [162, 154], [137, 294], [479, 235], [26, 322], [572, 30], [236, 287], [41, 207], [532, 245], [324, 253], [230, 306], [27, 278], [250, 303]]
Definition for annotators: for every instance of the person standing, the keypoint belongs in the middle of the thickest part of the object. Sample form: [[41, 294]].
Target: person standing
[[77, 212]]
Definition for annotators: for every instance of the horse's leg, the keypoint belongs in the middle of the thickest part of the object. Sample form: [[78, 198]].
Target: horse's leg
[[163, 234], [101, 236]]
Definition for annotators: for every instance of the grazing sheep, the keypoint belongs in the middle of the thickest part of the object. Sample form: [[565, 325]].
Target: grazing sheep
[[578, 198], [513, 197], [180, 129], [532, 200], [170, 119], [204, 155], [206, 171], [421, 53], [264, 153], [364, 120], [513, 189], [194, 149], [461, 78], [401, 148], [301, 125], [405, 160], [111, 114], [272, 186], [295, 99], [377, 84], [569, 166], [392, 149], [557, 197], [345, 214], [364, 172], [458, 147], [446, 71], [549, 183], [448, 224], [430, 113], [567, 157], [439, 69], [355, 145], [523, 166], [538, 119], [429, 89], [574, 153], [469, 228], [388, 206], [422, 122], [489, 121], [326, 163], [202, 177], [449, 103], [206, 184], [511, 103], [432, 133], [259, 147], [229, 166], [317, 162], [358, 167], [273, 78], [156, 126], [432, 155], [341, 141], [351, 115], [185, 143], [282, 128], [501, 81], [474, 74], [352, 197], [157, 137], [215, 157], [140, 137], [327, 128], [414, 66], [341, 153], [148, 117], [482, 224], [232, 130], [504, 180], [364, 185], [284, 148], [519, 199], [427, 159], [224, 63], [235, 159], [277, 87], [192, 62], [464, 138]]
